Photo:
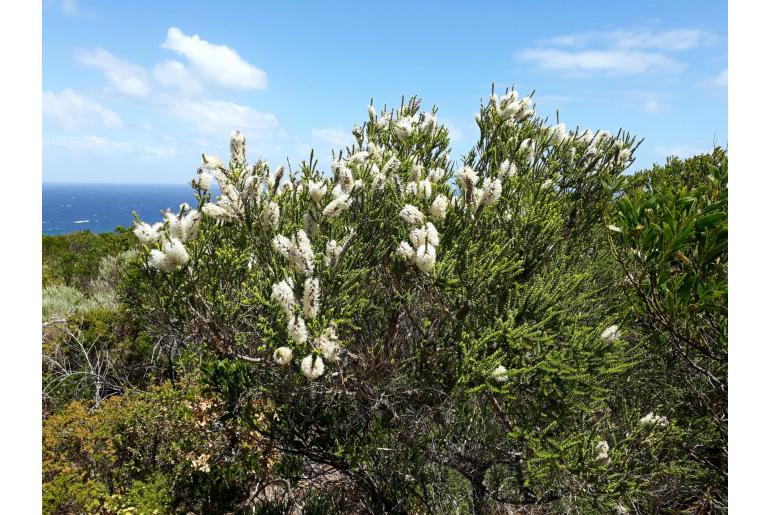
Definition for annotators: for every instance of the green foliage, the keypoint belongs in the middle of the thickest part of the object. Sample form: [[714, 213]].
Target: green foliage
[[513, 372], [93, 355], [161, 450], [522, 279], [669, 234], [74, 259]]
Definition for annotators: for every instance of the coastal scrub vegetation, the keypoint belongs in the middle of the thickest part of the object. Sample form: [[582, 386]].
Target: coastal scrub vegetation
[[528, 330]]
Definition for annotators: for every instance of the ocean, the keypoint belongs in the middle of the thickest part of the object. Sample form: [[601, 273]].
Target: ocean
[[103, 207]]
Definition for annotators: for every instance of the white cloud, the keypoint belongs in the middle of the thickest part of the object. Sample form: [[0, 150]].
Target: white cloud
[[670, 40], [652, 106], [681, 151], [69, 7], [101, 145], [333, 136], [628, 52], [71, 110], [720, 80], [610, 61], [175, 76], [217, 64], [127, 78], [219, 117]]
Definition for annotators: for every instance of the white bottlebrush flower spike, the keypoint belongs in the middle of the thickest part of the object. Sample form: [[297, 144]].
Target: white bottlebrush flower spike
[[171, 258], [415, 174], [345, 179], [611, 333], [492, 190], [333, 251], [424, 188], [559, 133], [468, 178], [391, 164], [411, 188], [285, 247], [527, 147], [305, 249], [297, 329], [148, 234], [283, 356], [431, 234], [337, 206], [436, 175], [651, 419], [212, 162], [405, 251], [271, 214], [238, 148], [328, 344], [158, 261], [439, 207], [425, 257], [359, 157], [176, 253], [312, 366], [403, 128], [411, 214], [317, 190], [204, 181], [311, 298], [378, 181], [217, 212], [601, 451], [500, 374], [283, 294]]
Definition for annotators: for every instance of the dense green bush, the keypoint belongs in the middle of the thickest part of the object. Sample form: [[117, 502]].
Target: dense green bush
[[163, 450], [403, 333], [528, 331], [669, 234], [73, 259]]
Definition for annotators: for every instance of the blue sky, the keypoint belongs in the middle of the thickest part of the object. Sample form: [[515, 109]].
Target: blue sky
[[136, 91]]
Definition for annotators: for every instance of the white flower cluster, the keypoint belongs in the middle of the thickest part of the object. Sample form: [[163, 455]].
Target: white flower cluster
[[500, 374], [328, 344], [602, 451], [652, 420], [312, 366], [333, 252], [298, 251], [491, 188], [170, 235], [238, 148], [407, 125], [611, 333], [513, 109], [423, 236], [283, 356], [283, 294], [241, 187]]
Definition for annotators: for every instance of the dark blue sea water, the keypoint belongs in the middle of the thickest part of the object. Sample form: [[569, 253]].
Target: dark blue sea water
[[103, 207]]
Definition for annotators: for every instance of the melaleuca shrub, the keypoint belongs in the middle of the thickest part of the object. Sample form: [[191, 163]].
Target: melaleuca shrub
[[404, 319]]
